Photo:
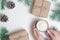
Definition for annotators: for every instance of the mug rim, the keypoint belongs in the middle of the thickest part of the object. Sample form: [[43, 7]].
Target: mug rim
[[42, 20]]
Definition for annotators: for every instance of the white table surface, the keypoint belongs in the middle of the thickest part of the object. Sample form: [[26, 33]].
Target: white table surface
[[21, 18]]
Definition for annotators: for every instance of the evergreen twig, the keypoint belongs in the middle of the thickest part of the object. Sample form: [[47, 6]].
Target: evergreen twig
[[3, 34], [28, 2], [3, 2], [54, 28], [56, 13], [54, 0]]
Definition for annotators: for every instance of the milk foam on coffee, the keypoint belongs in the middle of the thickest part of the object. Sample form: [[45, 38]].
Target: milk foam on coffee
[[42, 25]]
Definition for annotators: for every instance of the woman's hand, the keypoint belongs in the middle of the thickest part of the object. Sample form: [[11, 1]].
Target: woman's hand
[[54, 35], [37, 35]]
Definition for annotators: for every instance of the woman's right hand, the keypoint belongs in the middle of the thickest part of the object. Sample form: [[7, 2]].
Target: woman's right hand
[[54, 35]]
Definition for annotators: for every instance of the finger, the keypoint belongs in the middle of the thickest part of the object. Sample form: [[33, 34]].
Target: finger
[[50, 34], [34, 24], [53, 31], [38, 33], [35, 33]]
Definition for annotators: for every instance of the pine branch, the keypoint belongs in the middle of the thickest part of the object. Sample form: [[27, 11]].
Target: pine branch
[[54, 28], [21, 0], [54, 0], [3, 2], [3, 34], [56, 13], [27, 2]]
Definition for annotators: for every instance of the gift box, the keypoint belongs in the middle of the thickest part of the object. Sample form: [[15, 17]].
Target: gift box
[[19, 35], [41, 8]]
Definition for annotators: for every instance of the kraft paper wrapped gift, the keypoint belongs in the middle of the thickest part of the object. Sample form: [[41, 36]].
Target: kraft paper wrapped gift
[[20, 35], [41, 8]]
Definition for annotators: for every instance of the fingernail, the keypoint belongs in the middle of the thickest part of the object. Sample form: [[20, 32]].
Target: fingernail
[[48, 31], [34, 28]]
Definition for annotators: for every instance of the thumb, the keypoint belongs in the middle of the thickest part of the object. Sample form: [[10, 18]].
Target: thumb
[[52, 31]]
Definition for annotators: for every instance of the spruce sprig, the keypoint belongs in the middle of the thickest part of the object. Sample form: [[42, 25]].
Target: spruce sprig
[[54, 28], [54, 0], [3, 34], [3, 3], [56, 13], [27, 2]]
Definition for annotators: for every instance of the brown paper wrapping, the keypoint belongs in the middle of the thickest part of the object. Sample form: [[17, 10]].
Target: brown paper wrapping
[[20, 35], [41, 8]]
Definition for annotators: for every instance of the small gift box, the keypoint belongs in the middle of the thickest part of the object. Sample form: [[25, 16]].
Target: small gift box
[[41, 8], [19, 35]]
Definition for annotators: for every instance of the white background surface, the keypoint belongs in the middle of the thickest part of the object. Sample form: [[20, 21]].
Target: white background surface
[[20, 17]]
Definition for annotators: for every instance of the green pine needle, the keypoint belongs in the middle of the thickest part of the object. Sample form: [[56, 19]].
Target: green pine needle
[[3, 2], [54, 28], [27, 2], [3, 34], [21, 0], [4, 30], [56, 13], [54, 0]]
